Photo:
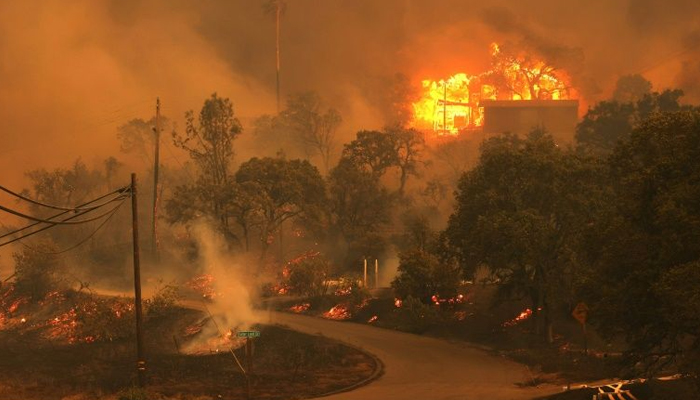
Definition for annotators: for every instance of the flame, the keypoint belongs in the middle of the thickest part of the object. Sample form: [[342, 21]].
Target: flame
[[374, 318], [339, 312], [525, 314], [450, 105], [300, 308]]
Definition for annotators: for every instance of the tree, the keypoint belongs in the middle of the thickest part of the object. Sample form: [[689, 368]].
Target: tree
[[287, 189], [393, 96], [643, 281], [609, 122], [304, 128], [408, 144], [309, 276], [359, 204], [520, 213], [209, 143], [372, 151], [421, 275], [37, 271], [209, 140], [312, 128], [137, 137], [631, 88]]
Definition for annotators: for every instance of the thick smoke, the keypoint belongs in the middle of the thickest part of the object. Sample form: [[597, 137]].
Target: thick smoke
[[232, 305], [71, 72]]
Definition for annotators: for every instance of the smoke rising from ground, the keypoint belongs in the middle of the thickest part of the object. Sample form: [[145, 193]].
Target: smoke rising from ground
[[232, 306]]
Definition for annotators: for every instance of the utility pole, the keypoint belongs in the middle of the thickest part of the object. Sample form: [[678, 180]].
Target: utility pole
[[140, 359], [444, 107], [156, 164], [278, 6]]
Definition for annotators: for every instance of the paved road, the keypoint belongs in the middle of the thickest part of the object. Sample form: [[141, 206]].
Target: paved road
[[418, 367]]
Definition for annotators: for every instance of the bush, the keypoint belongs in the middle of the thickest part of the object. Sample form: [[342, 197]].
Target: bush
[[37, 272], [163, 302], [417, 317], [422, 275], [308, 277]]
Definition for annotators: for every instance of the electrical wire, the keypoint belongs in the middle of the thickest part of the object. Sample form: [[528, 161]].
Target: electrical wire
[[4, 189], [103, 223], [54, 223], [64, 222], [122, 191]]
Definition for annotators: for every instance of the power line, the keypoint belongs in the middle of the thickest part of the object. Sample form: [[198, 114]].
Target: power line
[[54, 223], [103, 223], [64, 222], [38, 203], [121, 191]]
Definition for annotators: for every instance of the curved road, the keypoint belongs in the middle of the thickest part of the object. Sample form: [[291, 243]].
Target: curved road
[[418, 367]]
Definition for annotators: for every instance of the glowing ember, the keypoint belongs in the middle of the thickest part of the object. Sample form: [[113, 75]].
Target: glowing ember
[[374, 318], [453, 104], [300, 308], [343, 291], [203, 284], [398, 302], [437, 300], [525, 314], [23, 320], [339, 312]]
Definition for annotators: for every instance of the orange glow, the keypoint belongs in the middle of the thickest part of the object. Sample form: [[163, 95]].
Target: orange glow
[[450, 105]]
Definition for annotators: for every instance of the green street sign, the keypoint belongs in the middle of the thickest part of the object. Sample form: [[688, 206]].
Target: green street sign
[[248, 334]]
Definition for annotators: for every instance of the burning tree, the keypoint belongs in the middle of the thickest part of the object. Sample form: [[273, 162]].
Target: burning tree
[[452, 104]]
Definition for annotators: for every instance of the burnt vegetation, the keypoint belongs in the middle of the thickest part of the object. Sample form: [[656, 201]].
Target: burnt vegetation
[[612, 221]]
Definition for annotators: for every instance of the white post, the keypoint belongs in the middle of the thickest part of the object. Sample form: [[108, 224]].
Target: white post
[[364, 280], [376, 273]]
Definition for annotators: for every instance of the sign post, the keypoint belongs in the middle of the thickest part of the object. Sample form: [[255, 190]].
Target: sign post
[[248, 335], [580, 312]]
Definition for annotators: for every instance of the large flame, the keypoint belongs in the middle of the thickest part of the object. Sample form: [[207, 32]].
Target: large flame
[[450, 105]]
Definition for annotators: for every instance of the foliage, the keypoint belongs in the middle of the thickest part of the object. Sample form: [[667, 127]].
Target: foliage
[[104, 318], [645, 248], [372, 151], [305, 127], [286, 189], [520, 213], [309, 277], [417, 317], [609, 122], [209, 140], [359, 207], [421, 275], [163, 302], [37, 272], [64, 187], [631, 88], [312, 128]]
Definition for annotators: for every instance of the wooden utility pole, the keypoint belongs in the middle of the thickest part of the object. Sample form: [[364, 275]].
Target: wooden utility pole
[[278, 10], [444, 108], [156, 164], [140, 358]]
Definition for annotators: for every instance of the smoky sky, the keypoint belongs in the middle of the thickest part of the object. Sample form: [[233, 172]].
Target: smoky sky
[[71, 72]]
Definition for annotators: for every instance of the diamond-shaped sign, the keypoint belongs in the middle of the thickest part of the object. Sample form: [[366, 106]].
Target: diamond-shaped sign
[[580, 312]]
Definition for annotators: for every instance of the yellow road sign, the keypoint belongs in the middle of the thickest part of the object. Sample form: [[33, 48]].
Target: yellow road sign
[[580, 312]]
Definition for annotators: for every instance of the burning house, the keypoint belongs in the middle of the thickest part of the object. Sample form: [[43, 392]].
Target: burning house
[[517, 94]]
